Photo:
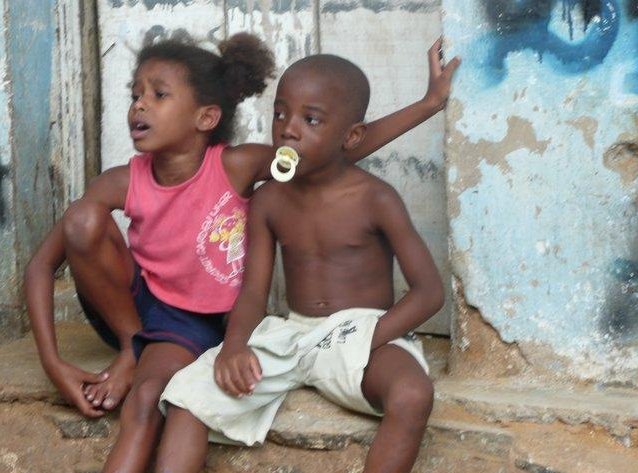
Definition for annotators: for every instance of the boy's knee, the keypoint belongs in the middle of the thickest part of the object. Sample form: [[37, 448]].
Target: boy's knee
[[84, 225], [141, 402], [411, 400]]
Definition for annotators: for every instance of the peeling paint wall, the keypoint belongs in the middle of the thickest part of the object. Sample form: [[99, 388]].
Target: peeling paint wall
[[372, 34], [26, 206], [9, 306], [542, 187]]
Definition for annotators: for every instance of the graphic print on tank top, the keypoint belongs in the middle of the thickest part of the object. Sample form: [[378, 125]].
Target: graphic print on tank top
[[223, 231]]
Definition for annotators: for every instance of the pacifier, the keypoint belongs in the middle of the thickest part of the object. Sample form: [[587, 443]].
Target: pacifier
[[287, 159]]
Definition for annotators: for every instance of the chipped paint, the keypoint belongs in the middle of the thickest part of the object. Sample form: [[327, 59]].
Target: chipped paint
[[396, 65], [378, 6], [368, 32], [622, 158], [542, 197]]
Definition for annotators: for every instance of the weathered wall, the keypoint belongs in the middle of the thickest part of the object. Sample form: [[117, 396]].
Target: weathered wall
[[9, 306], [372, 34], [542, 197], [26, 205]]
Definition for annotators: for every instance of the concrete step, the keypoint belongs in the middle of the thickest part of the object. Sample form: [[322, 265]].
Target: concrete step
[[480, 426], [613, 409]]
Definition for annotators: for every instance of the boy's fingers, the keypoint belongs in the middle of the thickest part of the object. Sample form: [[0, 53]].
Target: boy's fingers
[[255, 367], [248, 378], [434, 58], [231, 385], [451, 66]]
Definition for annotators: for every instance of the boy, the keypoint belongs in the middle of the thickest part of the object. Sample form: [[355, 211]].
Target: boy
[[339, 228]]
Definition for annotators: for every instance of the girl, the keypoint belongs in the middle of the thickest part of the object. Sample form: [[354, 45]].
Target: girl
[[161, 300]]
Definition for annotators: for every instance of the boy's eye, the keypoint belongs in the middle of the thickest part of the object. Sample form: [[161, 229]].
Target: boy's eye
[[135, 97], [278, 115], [312, 121], [160, 95]]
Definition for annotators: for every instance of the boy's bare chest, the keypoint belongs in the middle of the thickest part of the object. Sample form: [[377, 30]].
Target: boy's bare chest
[[324, 229]]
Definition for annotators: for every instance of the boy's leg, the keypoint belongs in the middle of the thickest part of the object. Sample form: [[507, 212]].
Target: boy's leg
[[140, 419], [395, 383], [184, 443], [103, 269]]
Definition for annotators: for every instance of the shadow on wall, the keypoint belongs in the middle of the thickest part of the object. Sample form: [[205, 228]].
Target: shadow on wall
[[577, 33], [619, 318]]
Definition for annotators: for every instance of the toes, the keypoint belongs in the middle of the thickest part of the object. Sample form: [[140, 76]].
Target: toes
[[101, 393], [116, 394], [89, 391], [109, 402]]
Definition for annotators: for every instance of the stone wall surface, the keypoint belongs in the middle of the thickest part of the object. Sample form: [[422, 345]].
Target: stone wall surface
[[541, 180]]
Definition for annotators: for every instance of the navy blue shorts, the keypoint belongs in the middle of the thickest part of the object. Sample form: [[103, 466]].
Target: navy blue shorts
[[161, 322]]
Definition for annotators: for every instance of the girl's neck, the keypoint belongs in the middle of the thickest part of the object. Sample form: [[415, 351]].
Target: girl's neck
[[173, 168]]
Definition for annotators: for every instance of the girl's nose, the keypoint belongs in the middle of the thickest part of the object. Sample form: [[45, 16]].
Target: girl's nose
[[139, 104]]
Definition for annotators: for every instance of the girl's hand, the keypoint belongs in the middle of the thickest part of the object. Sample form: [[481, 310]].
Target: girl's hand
[[440, 77], [237, 370], [71, 381]]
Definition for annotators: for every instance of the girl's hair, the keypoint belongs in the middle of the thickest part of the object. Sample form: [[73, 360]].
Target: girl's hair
[[239, 71]]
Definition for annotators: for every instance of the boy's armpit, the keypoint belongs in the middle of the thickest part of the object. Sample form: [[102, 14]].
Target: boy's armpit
[[407, 245]]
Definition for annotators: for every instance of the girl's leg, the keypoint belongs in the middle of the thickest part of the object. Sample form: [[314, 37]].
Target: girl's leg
[[184, 443], [140, 419], [396, 383], [103, 269]]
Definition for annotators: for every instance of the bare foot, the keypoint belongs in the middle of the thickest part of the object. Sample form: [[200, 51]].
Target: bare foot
[[109, 393]]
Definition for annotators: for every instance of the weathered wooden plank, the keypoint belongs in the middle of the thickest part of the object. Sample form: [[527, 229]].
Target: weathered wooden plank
[[290, 30], [389, 41], [124, 26]]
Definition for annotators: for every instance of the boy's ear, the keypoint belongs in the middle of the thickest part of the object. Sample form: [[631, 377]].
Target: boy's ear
[[355, 136], [209, 117]]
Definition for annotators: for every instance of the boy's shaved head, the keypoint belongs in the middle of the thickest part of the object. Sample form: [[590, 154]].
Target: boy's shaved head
[[347, 78]]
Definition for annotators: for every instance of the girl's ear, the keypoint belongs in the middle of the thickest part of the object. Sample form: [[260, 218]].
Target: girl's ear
[[209, 117], [355, 136]]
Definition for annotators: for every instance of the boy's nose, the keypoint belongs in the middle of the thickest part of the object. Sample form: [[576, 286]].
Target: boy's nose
[[291, 130]]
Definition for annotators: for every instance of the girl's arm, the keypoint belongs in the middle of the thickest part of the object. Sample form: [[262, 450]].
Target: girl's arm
[[110, 190]]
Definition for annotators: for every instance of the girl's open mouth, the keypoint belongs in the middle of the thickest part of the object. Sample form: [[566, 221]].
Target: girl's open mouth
[[139, 130]]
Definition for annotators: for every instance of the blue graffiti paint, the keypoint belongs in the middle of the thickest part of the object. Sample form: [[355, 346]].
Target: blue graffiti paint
[[525, 25], [631, 83]]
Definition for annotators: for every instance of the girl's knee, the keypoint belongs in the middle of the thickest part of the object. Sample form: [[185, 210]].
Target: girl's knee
[[141, 402], [84, 224]]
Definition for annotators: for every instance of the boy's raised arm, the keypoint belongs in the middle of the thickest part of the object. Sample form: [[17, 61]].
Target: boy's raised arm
[[425, 296], [237, 369], [382, 131], [251, 162]]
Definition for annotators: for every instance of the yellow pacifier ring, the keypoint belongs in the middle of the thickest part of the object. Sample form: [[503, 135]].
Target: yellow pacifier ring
[[286, 158]]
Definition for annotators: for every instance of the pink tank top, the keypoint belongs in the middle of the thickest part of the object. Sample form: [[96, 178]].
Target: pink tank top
[[188, 239]]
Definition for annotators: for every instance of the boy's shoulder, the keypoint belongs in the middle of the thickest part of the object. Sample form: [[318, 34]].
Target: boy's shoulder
[[375, 187]]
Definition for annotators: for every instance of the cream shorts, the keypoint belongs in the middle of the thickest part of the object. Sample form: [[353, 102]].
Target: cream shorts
[[327, 353]]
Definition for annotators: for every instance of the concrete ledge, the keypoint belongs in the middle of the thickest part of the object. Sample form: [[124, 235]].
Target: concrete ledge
[[489, 427], [614, 409]]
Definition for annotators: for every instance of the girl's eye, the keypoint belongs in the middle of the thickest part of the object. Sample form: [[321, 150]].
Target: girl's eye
[[160, 94], [312, 121], [135, 97], [279, 115]]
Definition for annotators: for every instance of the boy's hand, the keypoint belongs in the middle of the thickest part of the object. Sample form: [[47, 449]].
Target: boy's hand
[[70, 381], [440, 77], [237, 370]]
